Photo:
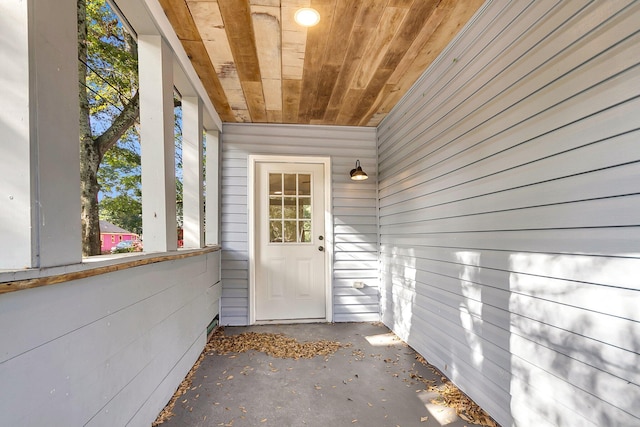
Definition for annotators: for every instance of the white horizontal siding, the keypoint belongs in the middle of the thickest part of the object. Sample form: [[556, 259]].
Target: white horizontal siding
[[353, 207], [509, 196], [106, 350]]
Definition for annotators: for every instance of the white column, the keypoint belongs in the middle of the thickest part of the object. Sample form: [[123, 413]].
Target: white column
[[192, 189], [212, 207], [159, 230], [39, 157]]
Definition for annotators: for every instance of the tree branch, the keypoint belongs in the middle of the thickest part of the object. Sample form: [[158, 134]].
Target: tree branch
[[124, 121]]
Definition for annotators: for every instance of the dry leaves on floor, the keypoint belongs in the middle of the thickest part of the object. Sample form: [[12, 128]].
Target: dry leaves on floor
[[452, 397], [275, 345], [281, 346]]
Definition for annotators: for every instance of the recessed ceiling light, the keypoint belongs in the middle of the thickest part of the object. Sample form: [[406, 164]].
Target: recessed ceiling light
[[307, 17]]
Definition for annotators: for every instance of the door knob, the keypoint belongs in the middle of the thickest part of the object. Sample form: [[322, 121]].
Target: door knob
[[321, 248], [320, 237]]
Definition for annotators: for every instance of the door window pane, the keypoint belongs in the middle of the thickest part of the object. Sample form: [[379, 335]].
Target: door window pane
[[304, 231], [289, 208], [275, 207], [275, 184], [304, 185], [304, 207], [290, 234], [290, 184], [275, 231]]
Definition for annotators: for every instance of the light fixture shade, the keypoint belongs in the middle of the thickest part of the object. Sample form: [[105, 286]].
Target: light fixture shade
[[307, 17], [358, 174]]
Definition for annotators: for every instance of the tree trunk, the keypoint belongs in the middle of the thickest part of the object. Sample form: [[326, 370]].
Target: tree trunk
[[89, 189]]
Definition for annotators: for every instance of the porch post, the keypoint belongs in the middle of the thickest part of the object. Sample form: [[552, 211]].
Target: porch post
[[212, 208], [157, 144], [39, 146], [192, 190]]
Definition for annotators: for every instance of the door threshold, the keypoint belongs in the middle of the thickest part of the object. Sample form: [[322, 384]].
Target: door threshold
[[290, 321]]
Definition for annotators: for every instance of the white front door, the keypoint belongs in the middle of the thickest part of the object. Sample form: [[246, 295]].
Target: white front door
[[289, 242]]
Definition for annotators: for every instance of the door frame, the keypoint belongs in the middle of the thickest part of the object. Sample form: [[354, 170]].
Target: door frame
[[253, 159]]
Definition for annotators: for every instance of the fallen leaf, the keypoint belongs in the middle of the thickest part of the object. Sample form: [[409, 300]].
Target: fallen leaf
[[423, 419]]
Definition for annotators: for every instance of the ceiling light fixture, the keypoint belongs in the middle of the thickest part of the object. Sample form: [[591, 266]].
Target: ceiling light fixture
[[307, 17], [358, 174]]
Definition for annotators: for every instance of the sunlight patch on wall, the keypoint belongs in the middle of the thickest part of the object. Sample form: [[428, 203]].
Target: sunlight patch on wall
[[605, 285], [572, 345], [590, 310], [622, 271], [400, 285], [471, 306]]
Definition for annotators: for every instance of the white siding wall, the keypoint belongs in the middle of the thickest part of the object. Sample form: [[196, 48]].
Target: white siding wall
[[354, 212], [109, 350], [509, 186]]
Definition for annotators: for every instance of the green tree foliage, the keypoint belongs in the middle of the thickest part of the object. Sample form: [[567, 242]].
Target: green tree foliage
[[123, 211], [112, 65], [119, 178]]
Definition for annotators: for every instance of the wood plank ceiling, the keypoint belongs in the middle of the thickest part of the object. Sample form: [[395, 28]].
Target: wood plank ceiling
[[258, 65]]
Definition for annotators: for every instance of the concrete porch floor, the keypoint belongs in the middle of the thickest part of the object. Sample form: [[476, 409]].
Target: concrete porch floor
[[369, 383]]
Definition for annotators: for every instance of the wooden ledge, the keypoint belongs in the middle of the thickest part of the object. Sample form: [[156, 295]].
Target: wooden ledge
[[95, 267]]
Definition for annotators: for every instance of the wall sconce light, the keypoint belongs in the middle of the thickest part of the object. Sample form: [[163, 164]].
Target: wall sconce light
[[358, 174]]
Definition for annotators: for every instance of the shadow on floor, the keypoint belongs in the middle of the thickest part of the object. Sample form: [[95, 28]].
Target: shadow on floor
[[373, 380]]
